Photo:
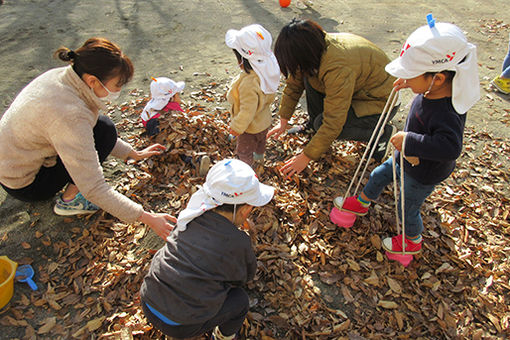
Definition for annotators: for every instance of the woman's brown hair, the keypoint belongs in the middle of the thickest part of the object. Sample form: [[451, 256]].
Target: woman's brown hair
[[100, 58], [299, 47]]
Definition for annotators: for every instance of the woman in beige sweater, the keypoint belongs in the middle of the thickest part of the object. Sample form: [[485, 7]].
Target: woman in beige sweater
[[52, 135]]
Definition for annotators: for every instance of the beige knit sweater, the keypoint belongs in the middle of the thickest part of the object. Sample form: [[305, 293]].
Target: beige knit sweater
[[55, 115]]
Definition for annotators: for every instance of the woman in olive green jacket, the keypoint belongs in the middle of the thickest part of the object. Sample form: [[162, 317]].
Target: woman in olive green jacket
[[346, 87]]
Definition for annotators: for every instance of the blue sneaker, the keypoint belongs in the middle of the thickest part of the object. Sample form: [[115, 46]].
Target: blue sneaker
[[77, 206]]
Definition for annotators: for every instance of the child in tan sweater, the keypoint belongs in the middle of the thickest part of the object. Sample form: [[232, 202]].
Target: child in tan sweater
[[252, 91]]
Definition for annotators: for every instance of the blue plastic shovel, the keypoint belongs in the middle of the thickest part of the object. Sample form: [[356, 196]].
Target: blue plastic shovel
[[25, 273]]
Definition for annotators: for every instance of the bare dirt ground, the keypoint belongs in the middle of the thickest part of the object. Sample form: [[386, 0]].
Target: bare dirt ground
[[185, 40]]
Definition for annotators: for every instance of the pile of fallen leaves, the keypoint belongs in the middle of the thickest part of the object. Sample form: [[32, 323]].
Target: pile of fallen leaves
[[314, 279]]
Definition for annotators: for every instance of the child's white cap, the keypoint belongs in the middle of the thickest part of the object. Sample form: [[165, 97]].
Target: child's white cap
[[229, 181], [232, 181], [253, 42], [441, 47], [250, 41], [162, 90]]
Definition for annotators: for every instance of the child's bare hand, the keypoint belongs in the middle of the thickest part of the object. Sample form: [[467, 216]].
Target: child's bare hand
[[232, 132], [176, 98], [400, 84], [414, 161], [398, 139]]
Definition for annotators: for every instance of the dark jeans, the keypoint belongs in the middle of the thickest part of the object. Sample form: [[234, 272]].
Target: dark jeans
[[230, 318], [49, 181], [355, 128]]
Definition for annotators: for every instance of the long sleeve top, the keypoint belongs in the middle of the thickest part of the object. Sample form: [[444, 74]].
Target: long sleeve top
[[251, 108], [434, 135], [190, 277], [351, 73], [54, 115]]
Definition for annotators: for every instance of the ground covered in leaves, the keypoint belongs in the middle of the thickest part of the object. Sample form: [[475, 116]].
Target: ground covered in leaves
[[314, 280]]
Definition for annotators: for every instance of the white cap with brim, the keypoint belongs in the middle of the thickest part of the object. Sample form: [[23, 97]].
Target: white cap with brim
[[253, 42], [229, 181], [442, 47]]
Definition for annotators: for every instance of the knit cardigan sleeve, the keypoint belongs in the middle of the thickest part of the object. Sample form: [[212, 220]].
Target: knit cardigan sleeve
[[121, 149], [73, 140]]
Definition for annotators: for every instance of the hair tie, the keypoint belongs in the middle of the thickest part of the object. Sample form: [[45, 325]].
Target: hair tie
[[71, 55]]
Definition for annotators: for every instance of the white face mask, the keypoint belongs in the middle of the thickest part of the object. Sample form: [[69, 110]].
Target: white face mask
[[111, 96]]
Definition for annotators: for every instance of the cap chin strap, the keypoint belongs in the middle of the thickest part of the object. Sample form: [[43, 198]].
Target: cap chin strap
[[234, 215], [430, 87]]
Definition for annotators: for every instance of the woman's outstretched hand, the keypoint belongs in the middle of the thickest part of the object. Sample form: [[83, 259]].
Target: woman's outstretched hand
[[295, 165], [159, 223], [154, 149]]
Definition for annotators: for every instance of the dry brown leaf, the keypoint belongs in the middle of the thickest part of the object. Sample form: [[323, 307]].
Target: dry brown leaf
[[387, 304], [373, 279], [394, 285], [48, 325], [445, 268], [92, 325], [266, 337], [346, 293], [30, 333], [342, 327], [353, 265], [400, 319], [495, 321], [375, 240], [53, 304]]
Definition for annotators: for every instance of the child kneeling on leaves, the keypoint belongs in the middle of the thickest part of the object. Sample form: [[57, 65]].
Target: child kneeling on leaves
[[440, 66], [164, 97], [193, 284]]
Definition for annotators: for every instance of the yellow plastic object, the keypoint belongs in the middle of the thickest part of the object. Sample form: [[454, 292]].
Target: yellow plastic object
[[7, 272]]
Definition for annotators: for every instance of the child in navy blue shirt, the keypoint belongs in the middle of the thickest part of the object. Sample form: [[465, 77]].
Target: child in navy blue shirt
[[440, 66]]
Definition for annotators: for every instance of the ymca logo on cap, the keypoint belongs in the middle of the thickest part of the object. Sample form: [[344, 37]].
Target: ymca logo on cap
[[447, 58], [431, 48]]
